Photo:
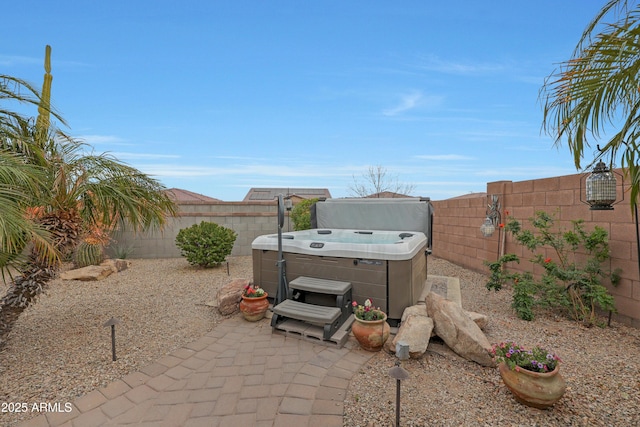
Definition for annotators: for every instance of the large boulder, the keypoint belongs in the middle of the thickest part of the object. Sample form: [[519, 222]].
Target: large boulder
[[458, 331], [414, 310], [415, 331], [480, 319], [229, 296]]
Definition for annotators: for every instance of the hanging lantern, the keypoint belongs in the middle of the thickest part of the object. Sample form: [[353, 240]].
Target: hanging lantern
[[601, 188]]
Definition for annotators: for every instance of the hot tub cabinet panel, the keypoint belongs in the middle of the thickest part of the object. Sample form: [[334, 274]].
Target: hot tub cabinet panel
[[389, 267], [392, 285]]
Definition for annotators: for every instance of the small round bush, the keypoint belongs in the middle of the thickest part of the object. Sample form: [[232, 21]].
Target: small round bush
[[301, 214], [206, 244]]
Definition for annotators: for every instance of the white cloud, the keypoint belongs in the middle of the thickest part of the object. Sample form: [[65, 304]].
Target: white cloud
[[523, 173], [408, 102], [8, 60], [250, 170], [434, 63], [103, 139], [143, 156], [447, 157]]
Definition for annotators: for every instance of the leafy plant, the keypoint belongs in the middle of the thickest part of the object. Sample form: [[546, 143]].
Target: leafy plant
[[572, 277], [253, 291], [516, 357], [367, 311], [206, 244], [301, 214], [122, 252]]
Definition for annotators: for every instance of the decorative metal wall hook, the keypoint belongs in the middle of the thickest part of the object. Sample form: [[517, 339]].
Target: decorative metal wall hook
[[492, 220]]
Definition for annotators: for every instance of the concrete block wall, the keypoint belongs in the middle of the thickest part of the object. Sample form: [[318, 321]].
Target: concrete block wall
[[457, 236], [248, 219]]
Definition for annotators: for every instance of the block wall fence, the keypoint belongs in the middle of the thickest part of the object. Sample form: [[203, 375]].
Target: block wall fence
[[457, 237], [248, 219], [456, 229]]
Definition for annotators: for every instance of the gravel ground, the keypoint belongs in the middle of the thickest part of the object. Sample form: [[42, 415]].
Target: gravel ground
[[59, 350], [600, 365]]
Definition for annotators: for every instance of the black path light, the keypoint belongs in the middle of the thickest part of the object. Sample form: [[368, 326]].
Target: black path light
[[112, 322], [399, 374]]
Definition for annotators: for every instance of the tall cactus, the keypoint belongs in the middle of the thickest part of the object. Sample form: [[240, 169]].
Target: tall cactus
[[44, 107]]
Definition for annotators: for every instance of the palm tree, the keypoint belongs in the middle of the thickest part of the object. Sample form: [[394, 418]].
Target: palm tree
[[73, 191], [597, 91], [20, 181]]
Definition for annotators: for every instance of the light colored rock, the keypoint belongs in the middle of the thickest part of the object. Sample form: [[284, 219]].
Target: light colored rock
[[480, 319], [117, 264], [414, 310], [88, 273], [458, 331], [415, 331], [229, 296]]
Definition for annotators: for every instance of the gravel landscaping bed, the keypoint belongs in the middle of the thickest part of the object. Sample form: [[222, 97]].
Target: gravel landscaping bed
[[600, 365], [60, 350]]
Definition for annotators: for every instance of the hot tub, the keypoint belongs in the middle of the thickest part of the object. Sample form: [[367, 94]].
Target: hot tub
[[389, 267]]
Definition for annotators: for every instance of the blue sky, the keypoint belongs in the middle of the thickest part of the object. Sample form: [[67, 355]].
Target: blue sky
[[217, 97]]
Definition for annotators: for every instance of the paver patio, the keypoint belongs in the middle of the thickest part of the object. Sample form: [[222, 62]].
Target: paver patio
[[239, 374]]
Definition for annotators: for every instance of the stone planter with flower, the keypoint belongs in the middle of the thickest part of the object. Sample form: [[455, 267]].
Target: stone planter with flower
[[533, 376], [370, 327]]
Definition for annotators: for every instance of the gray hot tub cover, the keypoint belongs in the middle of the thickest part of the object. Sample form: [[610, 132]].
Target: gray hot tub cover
[[405, 214]]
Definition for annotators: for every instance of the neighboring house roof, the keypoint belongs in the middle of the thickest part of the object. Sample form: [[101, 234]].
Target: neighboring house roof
[[183, 196], [387, 195], [257, 194]]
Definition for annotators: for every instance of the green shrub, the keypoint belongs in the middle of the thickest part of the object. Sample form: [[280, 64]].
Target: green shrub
[[87, 254], [206, 244], [301, 214], [122, 252], [572, 277]]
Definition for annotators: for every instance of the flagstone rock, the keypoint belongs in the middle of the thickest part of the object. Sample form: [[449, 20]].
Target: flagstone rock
[[229, 296], [415, 330], [117, 265], [88, 273], [480, 319], [414, 310], [458, 331]]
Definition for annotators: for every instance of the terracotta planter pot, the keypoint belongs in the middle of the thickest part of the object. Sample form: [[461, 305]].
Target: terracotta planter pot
[[371, 334], [537, 389], [254, 309]]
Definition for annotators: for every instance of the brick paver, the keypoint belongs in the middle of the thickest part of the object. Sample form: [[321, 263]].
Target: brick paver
[[239, 374]]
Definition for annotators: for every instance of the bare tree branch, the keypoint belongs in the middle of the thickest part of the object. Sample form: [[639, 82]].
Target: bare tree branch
[[376, 181]]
